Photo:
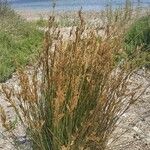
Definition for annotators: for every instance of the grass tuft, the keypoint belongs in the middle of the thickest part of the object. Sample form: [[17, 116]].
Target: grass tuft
[[78, 92]]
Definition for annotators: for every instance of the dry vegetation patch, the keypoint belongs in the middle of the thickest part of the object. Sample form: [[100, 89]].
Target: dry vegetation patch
[[77, 92]]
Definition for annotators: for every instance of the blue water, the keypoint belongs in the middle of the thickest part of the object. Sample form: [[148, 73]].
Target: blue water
[[62, 5]]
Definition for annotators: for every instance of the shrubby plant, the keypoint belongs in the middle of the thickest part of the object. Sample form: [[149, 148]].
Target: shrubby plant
[[19, 41], [138, 35]]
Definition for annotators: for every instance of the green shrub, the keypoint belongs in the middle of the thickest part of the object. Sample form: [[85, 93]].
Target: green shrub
[[138, 35], [19, 41]]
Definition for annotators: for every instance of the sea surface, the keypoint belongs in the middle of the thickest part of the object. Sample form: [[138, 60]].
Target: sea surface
[[64, 5]]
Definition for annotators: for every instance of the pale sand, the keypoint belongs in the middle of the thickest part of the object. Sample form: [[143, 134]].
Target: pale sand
[[36, 14]]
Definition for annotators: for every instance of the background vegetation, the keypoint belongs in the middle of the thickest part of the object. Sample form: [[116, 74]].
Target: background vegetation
[[19, 41], [138, 35]]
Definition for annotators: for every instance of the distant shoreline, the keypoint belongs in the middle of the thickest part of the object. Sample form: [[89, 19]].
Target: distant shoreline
[[71, 5], [34, 10]]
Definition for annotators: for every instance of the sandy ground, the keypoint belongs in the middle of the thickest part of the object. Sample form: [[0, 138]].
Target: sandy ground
[[36, 14], [33, 14], [94, 17], [133, 130]]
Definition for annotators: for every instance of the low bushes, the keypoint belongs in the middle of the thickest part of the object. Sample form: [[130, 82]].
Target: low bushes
[[19, 41], [139, 36]]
